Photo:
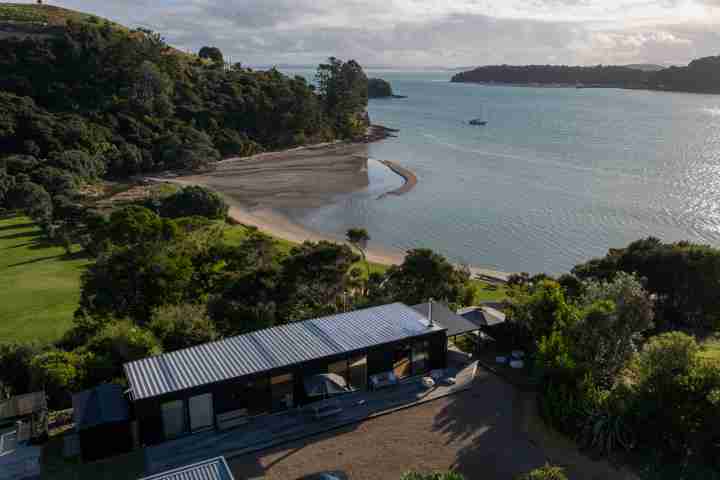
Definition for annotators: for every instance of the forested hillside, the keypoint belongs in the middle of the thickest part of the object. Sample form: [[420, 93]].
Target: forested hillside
[[95, 100], [554, 74], [701, 76]]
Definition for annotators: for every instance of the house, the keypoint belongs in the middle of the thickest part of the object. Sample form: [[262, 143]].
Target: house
[[263, 372], [102, 422], [213, 469]]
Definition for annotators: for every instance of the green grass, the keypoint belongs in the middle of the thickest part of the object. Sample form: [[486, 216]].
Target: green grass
[[489, 292], [39, 284], [26, 12]]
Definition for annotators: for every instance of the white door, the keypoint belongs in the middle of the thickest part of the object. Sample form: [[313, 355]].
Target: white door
[[201, 412], [173, 416]]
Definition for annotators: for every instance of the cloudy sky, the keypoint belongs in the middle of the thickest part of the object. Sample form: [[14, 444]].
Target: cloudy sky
[[450, 33]]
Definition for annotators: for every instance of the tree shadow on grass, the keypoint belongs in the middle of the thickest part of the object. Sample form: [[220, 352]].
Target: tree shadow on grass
[[19, 235], [488, 422], [36, 260], [16, 226]]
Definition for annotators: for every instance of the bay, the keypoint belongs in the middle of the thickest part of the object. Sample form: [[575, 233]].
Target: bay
[[557, 176]]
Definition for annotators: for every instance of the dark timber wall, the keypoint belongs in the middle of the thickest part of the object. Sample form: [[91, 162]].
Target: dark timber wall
[[225, 394]]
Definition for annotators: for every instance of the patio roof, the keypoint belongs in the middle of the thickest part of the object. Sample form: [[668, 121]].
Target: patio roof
[[483, 316], [455, 324]]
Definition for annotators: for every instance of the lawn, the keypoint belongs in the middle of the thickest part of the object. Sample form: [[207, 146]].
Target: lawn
[[39, 284], [489, 292]]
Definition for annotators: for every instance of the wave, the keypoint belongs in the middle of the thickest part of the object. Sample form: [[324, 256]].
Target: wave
[[714, 111]]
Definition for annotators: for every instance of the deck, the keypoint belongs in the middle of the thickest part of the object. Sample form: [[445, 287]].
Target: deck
[[272, 430]]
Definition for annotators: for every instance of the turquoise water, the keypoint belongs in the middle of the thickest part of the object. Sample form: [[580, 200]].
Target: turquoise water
[[556, 177]]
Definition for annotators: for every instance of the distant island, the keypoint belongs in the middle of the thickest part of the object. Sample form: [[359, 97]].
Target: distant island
[[698, 77], [379, 88]]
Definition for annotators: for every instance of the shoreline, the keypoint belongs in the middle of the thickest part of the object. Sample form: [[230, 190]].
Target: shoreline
[[259, 187], [407, 175]]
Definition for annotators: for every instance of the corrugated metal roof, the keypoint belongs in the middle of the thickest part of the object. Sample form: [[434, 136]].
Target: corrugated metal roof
[[274, 348], [213, 469]]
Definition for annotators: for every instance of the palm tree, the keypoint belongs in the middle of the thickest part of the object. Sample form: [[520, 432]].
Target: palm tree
[[359, 238]]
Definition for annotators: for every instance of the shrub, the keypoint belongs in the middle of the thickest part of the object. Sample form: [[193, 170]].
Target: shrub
[[58, 373], [432, 476], [181, 326], [118, 343], [194, 201], [547, 472]]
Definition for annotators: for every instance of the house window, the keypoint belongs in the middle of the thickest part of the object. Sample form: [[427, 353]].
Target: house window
[[255, 396], [340, 368], [282, 387], [420, 357], [401, 361], [173, 417], [358, 372]]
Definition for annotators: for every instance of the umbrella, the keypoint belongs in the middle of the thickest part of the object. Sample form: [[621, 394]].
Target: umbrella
[[325, 384]]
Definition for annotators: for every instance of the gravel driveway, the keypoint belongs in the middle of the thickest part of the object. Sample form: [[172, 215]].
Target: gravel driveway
[[478, 433]]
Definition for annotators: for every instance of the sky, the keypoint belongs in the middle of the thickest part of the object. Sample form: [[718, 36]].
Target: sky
[[430, 33]]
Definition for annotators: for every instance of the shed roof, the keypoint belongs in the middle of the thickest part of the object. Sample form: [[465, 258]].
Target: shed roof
[[102, 404], [212, 469], [274, 348], [483, 316], [455, 324]]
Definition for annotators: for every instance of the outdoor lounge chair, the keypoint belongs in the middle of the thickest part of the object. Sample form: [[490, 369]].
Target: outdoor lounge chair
[[382, 380]]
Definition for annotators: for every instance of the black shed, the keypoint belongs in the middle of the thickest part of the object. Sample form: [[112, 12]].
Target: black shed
[[102, 421]]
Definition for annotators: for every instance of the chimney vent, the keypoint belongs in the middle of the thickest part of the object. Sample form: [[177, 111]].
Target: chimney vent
[[430, 319]]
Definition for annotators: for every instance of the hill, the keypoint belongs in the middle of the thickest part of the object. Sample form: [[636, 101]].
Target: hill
[[699, 76], [607, 76], [33, 13], [645, 67]]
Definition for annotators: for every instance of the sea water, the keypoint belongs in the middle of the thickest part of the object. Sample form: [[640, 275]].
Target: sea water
[[556, 177]]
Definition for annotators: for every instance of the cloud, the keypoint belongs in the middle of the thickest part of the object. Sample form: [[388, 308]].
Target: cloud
[[430, 32]]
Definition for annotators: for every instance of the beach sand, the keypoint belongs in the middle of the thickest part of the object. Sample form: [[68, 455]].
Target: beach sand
[[260, 187]]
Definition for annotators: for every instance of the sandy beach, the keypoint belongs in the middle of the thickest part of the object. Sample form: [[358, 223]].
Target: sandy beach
[[258, 188]]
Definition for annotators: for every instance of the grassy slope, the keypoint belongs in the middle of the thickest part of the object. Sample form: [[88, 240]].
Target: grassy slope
[[39, 285], [25, 12]]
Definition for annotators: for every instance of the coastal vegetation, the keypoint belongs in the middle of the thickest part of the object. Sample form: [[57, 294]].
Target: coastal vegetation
[[618, 344], [698, 76], [379, 88]]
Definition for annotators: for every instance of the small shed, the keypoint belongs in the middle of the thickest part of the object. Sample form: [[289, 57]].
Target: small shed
[[212, 469], [102, 422]]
